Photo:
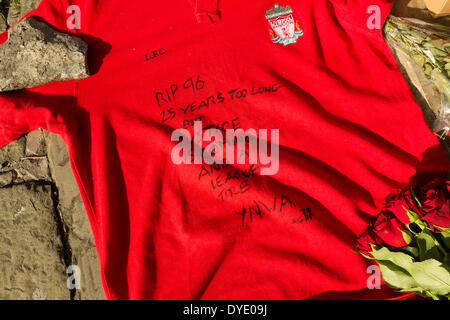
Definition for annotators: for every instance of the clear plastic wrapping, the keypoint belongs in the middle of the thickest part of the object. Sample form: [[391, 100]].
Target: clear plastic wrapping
[[423, 49]]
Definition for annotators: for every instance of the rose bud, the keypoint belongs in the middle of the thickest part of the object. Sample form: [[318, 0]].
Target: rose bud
[[435, 182], [435, 206], [389, 229], [402, 205], [364, 242]]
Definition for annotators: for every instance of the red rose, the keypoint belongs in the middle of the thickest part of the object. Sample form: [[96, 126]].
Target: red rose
[[365, 240], [436, 182], [389, 229], [399, 202], [435, 205]]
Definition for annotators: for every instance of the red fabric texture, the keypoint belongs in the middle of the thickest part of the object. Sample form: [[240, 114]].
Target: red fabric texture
[[350, 132]]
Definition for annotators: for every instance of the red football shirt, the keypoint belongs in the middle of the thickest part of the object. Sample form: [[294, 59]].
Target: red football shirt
[[349, 132]]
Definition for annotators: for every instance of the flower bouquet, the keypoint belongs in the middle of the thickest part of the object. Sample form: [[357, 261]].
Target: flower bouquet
[[424, 50], [410, 240]]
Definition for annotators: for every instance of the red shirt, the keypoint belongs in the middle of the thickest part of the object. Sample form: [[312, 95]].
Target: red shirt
[[350, 131]]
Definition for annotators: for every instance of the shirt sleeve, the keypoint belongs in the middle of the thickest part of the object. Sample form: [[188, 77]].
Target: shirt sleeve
[[46, 106]]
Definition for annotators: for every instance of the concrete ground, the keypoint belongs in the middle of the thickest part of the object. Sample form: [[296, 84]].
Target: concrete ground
[[44, 227]]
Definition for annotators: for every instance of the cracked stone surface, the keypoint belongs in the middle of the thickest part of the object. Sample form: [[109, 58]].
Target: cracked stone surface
[[30, 264], [35, 54], [18, 8], [84, 253], [3, 24], [43, 222]]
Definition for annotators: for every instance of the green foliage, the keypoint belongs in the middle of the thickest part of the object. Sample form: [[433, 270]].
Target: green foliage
[[421, 267], [401, 259], [432, 276], [429, 48], [396, 277], [427, 246]]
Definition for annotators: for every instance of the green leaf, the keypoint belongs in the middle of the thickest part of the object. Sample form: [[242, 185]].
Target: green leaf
[[427, 246], [422, 224], [401, 259], [396, 277], [418, 291], [411, 250], [445, 236], [411, 215], [446, 230], [364, 255], [394, 267], [407, 236], [432, 276]]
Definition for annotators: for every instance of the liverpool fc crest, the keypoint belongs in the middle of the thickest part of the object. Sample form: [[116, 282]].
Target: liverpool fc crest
[[283, 27]]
